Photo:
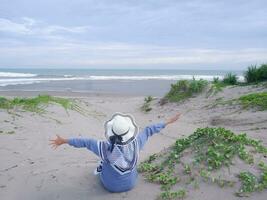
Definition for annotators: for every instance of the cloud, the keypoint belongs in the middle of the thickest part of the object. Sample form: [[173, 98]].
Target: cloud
[[122, 33], [30, 26], [128, 55], [13, 27]]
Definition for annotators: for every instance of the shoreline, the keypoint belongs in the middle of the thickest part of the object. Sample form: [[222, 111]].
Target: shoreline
[[71, 94]]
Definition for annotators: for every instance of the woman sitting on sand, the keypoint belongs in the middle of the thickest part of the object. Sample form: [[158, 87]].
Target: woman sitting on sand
[[119, 154]]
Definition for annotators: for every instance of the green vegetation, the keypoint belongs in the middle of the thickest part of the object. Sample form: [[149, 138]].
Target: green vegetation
[[180, 194], [146, 106], [209, 150], [38, 104], [256, 74], [185, 88], [216, 86], [230, 79], [252, 100], [251, 183], [7, 132], [255, 100]]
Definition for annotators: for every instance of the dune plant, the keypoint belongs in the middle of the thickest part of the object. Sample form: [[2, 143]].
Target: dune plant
[[185, 88], [146, 106], [252, 74], [211, 150], [255, 100], [215, 87], [39, 103], [256, 74], [230, 79], [215, 80]]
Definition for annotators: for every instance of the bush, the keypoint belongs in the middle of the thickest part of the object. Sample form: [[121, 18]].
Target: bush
[[185, 88], [215, 80], [263, 72], [230, 79], [256, 74], [146, 106], [252, 74], [257, 100]]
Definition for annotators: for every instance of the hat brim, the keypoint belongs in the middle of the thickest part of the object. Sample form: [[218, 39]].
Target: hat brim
[[132, 132]]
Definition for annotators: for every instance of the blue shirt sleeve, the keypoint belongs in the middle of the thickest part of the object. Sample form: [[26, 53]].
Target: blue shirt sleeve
[[147, 132], [91, 144]]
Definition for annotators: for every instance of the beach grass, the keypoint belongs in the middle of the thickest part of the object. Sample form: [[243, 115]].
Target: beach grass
[[35, 104], [230, 79], [210, 149], [184, 89], [255, 74], [39, 104], [146, 105]]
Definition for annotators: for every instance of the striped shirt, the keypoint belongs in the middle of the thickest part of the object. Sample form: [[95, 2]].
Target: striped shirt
[[119, 169]]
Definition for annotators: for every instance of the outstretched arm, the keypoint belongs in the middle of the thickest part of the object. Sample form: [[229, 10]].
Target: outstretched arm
[[90, 144], [173, 119], [151, 130]]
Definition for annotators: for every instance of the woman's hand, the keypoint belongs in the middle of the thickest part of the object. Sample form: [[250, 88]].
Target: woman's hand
[[173, 119], [58, 141]]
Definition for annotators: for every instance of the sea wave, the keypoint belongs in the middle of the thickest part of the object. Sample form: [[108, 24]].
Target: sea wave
[[13, 74], [22, 81], [158, 77]]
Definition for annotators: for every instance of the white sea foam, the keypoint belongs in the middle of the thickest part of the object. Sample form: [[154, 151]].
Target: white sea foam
[[12, 74], [158, 77], [68, 76], [19, 81]]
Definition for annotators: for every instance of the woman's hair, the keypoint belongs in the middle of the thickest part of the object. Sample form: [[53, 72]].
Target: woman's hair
[[114, 139]]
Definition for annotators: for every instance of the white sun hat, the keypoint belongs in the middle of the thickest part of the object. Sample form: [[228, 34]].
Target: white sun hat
[[121, 125]]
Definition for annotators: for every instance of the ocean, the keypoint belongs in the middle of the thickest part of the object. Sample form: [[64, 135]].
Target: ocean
[[117, 81]]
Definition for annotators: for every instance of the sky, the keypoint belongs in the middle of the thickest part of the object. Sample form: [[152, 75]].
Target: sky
[[149, 34]]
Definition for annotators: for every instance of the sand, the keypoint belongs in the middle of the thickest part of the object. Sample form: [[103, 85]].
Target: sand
[[30, 169]]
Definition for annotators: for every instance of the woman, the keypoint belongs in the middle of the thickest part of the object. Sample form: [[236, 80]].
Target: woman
[[119, 153]]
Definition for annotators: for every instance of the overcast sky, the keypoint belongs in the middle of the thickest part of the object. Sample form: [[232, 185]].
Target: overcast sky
[[180, 34]]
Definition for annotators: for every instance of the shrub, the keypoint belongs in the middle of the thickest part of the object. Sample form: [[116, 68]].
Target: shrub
[[263, 72], [185, 88], [256, 74], [215, 80], [146, 106], [230, 79], [258, 100], [252, 74]]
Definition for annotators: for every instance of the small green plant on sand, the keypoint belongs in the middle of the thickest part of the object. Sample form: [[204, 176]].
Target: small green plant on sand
[[251, 183], [211, 149], [253, 100], [146, 106], [180, 194], [185, 88], [256, 100]]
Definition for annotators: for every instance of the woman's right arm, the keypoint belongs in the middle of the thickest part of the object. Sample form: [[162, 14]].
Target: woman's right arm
[[151, 130]]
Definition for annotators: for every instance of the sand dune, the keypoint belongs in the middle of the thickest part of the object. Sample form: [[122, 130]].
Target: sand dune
[[30, 169]]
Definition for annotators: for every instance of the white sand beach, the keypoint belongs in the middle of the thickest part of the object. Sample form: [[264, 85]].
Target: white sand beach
[[30, 169]]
